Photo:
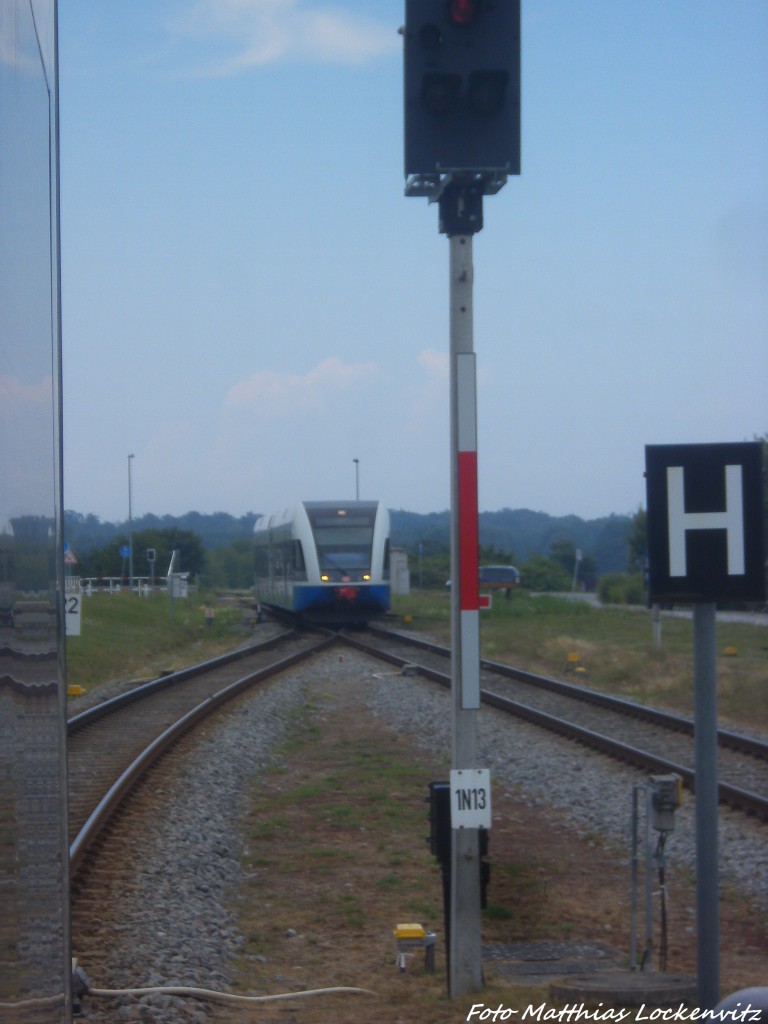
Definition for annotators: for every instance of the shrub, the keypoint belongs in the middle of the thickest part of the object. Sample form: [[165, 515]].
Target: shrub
[[621, 588], [542, 573]]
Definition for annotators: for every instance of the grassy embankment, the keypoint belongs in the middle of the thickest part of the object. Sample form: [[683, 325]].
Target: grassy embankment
[[335, 852], [615, 650], [335, 855], [124, 636]]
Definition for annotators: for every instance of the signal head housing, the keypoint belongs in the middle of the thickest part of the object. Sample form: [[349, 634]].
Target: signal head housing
[[462, 88]]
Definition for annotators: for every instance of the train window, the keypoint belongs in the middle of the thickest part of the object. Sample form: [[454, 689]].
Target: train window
[[343, 538], [347, 522], [356, 535], [344, 549], [344, 557], [299, 565]]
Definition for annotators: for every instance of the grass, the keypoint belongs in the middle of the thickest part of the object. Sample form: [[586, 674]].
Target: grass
[[614, 648], [125, 636], [335, 852], [332, 868]]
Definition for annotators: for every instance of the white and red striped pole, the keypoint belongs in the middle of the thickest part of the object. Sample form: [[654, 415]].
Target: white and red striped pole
[[465, 949], [467, 530]]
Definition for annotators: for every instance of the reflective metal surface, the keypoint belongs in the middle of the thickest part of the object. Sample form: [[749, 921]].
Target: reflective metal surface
[[34, 917]]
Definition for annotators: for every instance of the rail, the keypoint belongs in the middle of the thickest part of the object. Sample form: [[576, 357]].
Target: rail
[[113, 798], [665, 719], [735, 797]]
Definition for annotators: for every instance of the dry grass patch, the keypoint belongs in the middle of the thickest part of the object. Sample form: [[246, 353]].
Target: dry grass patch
[[336, 857]]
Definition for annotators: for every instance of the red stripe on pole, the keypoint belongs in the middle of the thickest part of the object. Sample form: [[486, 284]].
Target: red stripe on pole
[[469, 598]]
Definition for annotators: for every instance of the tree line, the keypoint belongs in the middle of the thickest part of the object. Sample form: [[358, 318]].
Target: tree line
[[217, 547], [551, 553]]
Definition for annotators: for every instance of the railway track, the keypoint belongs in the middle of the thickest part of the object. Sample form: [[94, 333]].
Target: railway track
[[113, 743], [172, 889], [648, 738]]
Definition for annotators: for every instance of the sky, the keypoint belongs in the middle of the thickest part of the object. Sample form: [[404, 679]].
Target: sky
[[256, 313]]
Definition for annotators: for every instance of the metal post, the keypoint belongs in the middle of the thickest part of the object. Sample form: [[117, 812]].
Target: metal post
[[705, 719], [634, 870], [465, 936], [357, 479], [130, 527], [648, 952], [656, 626]]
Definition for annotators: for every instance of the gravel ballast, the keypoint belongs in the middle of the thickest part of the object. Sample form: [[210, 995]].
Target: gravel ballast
[[170, 926]]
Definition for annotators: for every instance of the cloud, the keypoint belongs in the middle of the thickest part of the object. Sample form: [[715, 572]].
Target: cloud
[[261, 32], [425, 395], [435, 365], [269, 395]]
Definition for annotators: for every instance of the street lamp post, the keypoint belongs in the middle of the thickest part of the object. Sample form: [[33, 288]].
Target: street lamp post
[[357, 479], [130, 527]]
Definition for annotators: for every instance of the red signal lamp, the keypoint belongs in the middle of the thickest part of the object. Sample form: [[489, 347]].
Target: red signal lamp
[[463, 12]]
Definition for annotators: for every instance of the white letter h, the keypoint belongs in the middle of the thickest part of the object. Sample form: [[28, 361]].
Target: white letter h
[[680, 521]]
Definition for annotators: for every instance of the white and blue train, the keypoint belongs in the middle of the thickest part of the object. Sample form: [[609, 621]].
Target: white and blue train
[[327, 561]]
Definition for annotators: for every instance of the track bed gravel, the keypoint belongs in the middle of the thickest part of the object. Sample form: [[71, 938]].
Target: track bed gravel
[[175, 915]]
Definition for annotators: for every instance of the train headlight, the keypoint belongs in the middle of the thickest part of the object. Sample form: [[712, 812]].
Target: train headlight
[[325, 578], [367, 577]]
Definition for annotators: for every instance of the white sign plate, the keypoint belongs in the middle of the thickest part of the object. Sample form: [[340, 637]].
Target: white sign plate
[[73, 606], [471, 798]]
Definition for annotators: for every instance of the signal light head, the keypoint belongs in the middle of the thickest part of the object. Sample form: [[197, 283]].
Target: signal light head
[[486, 90], [461, 90], [440, 92], [463, 12], [430, 36]]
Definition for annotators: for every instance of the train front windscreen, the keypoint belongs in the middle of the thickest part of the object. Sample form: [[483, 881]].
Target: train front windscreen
[[344, 541]]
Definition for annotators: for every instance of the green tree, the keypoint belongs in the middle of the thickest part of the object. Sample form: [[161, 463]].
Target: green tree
[[491, 555], [108, 561], [621, 588], [231, 566], [430, 561], [637, 538], [542, 573], [563, 551], [432, 571]]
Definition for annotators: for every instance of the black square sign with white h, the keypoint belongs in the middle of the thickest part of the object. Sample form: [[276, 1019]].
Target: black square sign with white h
[[705, 522]]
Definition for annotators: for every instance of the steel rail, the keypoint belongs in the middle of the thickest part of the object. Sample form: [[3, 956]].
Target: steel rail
[[107, 806], [656, 716], [108, 707], [740, 799]]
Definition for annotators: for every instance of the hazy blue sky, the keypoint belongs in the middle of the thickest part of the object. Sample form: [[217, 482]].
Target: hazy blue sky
[[250, 302]]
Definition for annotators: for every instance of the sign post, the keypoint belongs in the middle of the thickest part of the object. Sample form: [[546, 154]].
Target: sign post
[[465, 952], [705, 544], [706, 796], [461, 94]]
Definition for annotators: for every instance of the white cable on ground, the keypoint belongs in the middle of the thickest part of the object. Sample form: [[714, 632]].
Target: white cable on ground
[[227, 997]]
